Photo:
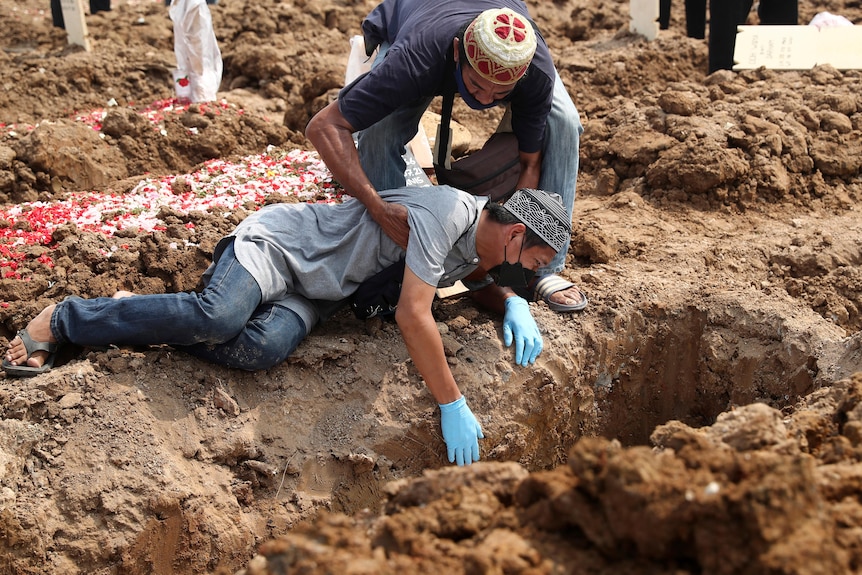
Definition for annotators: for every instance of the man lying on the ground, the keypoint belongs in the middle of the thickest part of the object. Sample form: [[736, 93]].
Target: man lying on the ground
[[288, 266]]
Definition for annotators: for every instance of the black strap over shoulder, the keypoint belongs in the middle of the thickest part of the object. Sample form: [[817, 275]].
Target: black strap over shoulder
[[449, 89]]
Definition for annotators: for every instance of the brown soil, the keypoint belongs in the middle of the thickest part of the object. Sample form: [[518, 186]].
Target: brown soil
[[701, 416]]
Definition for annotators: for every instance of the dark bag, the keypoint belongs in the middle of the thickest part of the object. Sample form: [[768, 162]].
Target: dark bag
[[490, 171], [378, 295]]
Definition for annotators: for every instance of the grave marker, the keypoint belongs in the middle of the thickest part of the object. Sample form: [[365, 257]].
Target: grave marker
[[644, 18], [76, 26], [797, 47]]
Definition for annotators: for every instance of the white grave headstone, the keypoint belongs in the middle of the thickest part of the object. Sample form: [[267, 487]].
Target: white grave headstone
[[644, 18], [76, 26]]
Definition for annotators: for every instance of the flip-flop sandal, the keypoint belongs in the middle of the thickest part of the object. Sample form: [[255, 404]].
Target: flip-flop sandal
[[31, 347], [551, 284]]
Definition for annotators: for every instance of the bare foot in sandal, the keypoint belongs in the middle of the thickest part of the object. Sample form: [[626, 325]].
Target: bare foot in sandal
[[39, 330], [569, 297], [560, 294]]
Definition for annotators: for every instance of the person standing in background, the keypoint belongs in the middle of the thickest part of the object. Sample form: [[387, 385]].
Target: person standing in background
[[724, 17], [57, 10], [695, 17], [168, 2]]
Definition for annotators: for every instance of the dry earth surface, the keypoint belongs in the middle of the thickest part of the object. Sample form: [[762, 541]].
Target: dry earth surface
[[701, 416]]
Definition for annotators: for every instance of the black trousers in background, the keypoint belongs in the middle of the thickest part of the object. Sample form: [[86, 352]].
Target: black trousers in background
[[57, 10], [168, 2], [726, 15], [695, 17]]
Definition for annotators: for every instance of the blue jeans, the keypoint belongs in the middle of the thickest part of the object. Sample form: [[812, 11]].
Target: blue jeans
[[560, 158], [381, 147], [226, 323]]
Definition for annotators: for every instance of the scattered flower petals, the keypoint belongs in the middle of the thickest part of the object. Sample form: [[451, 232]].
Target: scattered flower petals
[[218, 183]]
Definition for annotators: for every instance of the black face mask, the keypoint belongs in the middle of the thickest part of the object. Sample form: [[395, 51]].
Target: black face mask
[[511, 275]]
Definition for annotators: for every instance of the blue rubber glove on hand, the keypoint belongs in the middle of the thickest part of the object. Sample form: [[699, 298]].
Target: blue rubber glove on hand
[[518, 322], [461, 432]]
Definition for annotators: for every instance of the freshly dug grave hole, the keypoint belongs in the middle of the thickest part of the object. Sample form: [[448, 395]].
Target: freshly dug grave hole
[[762, 478], [691, 365], [655, 365]]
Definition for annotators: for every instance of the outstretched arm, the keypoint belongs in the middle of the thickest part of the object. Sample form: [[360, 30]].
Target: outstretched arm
[[419, 330], [332, 136], [422, 338], [518, 323]]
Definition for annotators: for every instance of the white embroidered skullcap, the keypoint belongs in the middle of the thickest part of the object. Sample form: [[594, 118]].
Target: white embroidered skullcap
[[542, 212], [500, 44]]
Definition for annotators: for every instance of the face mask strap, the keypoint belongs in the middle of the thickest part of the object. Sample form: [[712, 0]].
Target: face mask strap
[[513, 275]]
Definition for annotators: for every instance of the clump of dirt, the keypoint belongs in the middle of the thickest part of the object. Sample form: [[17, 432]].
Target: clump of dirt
[[700, 416], [745, 495]]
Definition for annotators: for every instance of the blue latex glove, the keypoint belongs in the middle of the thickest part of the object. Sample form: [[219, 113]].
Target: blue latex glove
[[461, 432], [518, 322]]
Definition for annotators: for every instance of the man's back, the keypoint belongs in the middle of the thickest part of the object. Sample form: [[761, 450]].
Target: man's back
[[324, 251]]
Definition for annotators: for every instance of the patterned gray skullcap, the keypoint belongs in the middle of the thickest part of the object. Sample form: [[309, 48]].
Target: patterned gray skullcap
[[542, 212]]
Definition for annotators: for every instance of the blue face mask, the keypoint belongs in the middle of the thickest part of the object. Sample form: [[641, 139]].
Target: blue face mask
[[465, 93]]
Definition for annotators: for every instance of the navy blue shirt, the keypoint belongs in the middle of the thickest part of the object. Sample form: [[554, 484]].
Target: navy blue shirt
[[421, 33]]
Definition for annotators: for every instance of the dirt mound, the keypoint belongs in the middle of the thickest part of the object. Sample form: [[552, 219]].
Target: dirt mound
[[700, 416], [757, 492]]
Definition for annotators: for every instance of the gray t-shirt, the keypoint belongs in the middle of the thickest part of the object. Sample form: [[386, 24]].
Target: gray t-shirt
[[324, 251]]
